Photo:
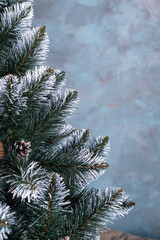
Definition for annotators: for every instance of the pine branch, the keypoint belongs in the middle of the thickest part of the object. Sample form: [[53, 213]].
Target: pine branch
[[50, 203], [81, 139], [77, 167], [84, 138], [26, 95], [93, 213], [101, 166], [52, 212], [27, 180], [22, 218], [73, 160], [34, 89], [99, 147], [13, 22], [50, 146], [35, 82], [7, 221], [6, 109], [40, 85], [2, 190], [9, 3], [62, 136], [27, 53], [12, 103], [39, 36], [60, 79], [76, 141], [47, 123], [34, 200]]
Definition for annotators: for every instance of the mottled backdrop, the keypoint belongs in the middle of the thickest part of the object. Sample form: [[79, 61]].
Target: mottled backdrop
[[110, 50]]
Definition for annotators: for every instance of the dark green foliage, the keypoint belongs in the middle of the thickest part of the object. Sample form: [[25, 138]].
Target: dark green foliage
[[8, 3], [50, 217], [23, 56], [13, 22], [92, 214], [43, 187]]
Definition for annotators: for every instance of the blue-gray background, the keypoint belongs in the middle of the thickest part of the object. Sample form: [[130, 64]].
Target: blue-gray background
[[110, 50]]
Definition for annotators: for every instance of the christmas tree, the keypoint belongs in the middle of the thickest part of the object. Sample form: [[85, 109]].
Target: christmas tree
[[45, 163]]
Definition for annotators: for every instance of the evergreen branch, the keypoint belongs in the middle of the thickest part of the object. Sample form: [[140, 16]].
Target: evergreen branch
[[26, 97], [50, 146], [47, 122], [29, 51], [85, 136], [21, 216], [10, 82], [52, 211], [77, 167], [60, 79], [28, 181], [6, 109], [76, 141], [14, 20], [100, 146], [38, 36], [93, 213], [73, 160], [2, 189], [7, 221], [50, 196], [9, 3], [76, 195], [81, 139], [44, 193], [77, 176], [12, 104], [35, 81], [41, 85], [2, 6], [57, 138], [3, 109], [101, 166], [69, 103], [36, 88]]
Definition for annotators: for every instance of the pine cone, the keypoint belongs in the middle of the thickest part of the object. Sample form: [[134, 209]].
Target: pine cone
[[22, 148]]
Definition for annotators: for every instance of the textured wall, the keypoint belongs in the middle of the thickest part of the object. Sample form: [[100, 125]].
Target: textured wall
[[110, 50]]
